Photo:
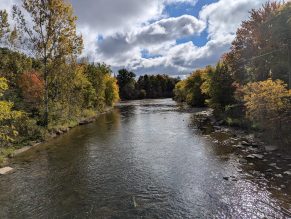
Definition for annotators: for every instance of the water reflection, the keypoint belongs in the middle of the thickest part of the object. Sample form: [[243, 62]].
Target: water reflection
[[141, 160]]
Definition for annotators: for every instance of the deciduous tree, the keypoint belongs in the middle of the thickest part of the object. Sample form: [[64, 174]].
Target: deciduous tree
[[49, 33]]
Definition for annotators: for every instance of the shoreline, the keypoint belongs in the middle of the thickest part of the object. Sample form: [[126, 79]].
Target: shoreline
[[263, 159], [52, 135]]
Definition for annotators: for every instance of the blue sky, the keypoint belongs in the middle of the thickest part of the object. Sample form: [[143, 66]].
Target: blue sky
[[176, 10], [158, 36]]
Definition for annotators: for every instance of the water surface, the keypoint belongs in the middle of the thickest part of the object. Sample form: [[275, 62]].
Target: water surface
[[142, 160]]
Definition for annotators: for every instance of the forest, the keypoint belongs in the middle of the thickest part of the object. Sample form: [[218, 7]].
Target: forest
[[46, 90], [146, 86], [250, 85]]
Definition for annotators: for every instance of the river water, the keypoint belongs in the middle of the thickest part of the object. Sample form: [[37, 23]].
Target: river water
[[142, 160]]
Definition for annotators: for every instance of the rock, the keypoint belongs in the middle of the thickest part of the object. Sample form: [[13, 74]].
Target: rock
[[20, 151], [254, 156], [64, 130], [287, 173], [279, 175], [271, 148], [245, 143], [238, 146], [243, 161], [257, 173], [283, 186], [273, 164], [221, 122], [269, 170], [5, 170], [59, 132], [259, 156], [226, 178], [251, 156], [251, 164]]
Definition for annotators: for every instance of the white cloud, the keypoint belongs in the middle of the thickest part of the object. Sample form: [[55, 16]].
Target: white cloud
[[130, 27], [222, 19], [225, 16], [111, 16]]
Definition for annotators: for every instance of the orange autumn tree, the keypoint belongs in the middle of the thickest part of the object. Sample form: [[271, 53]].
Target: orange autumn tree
[[32, 88]]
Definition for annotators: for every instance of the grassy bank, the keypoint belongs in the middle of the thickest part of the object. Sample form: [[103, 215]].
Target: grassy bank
[[54, 130]]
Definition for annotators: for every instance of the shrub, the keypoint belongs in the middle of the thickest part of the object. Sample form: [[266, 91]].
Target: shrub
[[8, 117], [268, 103]]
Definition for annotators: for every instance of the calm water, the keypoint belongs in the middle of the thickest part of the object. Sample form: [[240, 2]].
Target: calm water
[[143, 160]]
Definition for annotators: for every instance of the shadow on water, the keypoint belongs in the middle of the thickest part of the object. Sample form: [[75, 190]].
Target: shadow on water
[[141, 160]]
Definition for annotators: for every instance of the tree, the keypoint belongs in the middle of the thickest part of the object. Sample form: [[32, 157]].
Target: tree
[[193, 84], [268, 104], [32, 87], [253, 51], [111, 90], [155, 86], [127, 83], [218, 86], [180, 91], [7, 117], [280, 25], [51, 37], [4, 25]]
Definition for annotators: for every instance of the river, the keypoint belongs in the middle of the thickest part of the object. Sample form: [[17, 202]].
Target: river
[[142, 160]]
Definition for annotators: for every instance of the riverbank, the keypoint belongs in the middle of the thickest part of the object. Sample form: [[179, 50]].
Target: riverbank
[[259, 158], [8, 153]]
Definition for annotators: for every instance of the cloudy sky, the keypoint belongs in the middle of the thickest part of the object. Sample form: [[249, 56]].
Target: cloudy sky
[[158, 36]]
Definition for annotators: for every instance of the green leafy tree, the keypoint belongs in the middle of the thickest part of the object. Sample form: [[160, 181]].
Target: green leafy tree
[[218, 87], [8, 117], [193, 84], [52, 37], [4, 25], [127, 83]]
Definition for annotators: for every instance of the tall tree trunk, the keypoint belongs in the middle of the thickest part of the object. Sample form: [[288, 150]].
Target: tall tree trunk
[[46, 98]]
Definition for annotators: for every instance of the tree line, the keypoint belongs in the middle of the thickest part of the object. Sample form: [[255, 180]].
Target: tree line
[[146, 86], [43, 87], [250, 85]]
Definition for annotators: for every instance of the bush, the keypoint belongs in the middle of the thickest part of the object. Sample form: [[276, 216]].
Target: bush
[[8, 117], [268, 104]]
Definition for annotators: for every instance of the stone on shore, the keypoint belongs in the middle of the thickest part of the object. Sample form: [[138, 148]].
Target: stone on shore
[[5, 170], [20, 151], [253, 156], [271, 148]]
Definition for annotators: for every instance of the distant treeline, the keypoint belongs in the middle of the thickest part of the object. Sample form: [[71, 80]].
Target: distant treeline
[[249, 85], [147, 86]]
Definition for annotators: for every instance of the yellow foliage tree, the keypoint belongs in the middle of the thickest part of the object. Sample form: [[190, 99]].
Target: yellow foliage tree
[[268, 103], [7, 117], [111, 90]]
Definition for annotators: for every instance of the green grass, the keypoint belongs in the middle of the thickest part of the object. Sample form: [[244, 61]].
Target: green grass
[[5, 152]]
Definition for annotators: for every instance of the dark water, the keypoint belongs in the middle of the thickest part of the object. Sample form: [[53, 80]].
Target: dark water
[[143, 160]]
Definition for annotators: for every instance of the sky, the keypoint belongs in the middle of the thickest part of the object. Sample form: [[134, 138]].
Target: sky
[[172, 37]]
